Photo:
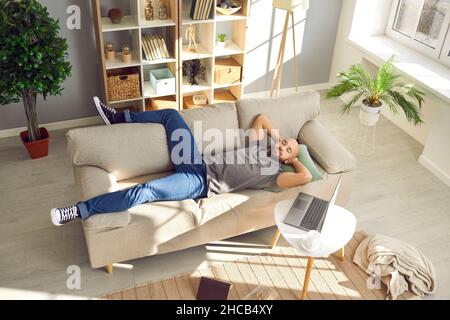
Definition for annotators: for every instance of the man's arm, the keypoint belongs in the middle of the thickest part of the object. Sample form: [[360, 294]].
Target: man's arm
[[261, 125], [290, 180]]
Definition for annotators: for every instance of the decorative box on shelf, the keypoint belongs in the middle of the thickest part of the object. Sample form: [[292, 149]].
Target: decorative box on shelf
[[123, 85], [160, 103], [226, 71], [224, 96], [163, 81], [195, 101]]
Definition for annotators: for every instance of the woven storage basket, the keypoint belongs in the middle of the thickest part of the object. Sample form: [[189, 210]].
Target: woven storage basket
[[124, 86]]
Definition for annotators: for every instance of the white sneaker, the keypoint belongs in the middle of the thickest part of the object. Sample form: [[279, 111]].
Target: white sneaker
[[107, 113], [61, 216]]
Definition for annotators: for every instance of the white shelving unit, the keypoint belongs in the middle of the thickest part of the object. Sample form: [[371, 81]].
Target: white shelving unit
[[207, 31], [128, 23], [134, 25]]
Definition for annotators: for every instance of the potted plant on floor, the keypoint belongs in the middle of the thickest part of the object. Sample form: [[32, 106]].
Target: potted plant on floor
[[385, 88], [33, 60]]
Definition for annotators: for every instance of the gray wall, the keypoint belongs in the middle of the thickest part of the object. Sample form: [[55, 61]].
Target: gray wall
[[316, 34]]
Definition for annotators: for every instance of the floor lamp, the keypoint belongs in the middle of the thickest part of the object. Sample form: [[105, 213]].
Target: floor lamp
[[289, 6]]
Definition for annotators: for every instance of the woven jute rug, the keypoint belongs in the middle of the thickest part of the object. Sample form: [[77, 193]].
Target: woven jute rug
[[282, 269]]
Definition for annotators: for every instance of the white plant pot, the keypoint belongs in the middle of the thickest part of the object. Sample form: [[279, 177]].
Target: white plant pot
[[220, 44], [369, 116]]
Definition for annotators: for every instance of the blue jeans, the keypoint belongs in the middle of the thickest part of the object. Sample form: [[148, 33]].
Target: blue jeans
[[188, 181]]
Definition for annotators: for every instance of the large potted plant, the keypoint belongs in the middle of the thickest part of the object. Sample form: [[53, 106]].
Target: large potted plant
[[384, 88], [33, 61]]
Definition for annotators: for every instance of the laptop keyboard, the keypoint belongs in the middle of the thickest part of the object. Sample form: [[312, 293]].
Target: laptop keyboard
[[313, 217]]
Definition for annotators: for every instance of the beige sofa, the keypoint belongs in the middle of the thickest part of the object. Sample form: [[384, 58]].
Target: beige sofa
[[108, 158]]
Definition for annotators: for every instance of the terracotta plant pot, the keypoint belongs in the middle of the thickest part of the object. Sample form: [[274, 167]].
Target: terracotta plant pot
[[36, 149]]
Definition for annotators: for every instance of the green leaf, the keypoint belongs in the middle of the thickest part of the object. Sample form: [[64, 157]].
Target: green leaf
[[411, 111], [386, 77], [412, 91], [346, 108]]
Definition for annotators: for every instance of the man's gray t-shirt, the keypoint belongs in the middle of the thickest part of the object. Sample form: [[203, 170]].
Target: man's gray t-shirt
[[252, 167]]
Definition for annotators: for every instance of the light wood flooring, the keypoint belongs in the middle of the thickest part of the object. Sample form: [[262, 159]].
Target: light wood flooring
[[393, 195], [280, 269]]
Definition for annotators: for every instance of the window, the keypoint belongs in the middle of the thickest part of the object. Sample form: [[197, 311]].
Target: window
[[422, 25]]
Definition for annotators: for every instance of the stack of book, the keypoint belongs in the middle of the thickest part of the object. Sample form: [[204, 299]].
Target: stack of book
[[201, 9], [154, 47]]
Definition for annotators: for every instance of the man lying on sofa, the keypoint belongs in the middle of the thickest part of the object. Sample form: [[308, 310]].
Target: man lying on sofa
[[197, 176]]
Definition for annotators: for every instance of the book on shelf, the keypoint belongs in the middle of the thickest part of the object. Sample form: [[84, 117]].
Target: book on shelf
[[200, 9], [194, 9], [154, 47], [165, 51], [207, 9], [147, 49], [157, 45], [152, 52]]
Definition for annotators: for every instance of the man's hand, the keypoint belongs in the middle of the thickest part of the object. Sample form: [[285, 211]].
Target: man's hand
[[291, 161], [261, 125]]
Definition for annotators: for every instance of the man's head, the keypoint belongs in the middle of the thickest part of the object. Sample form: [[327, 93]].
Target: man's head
[[286, 149]]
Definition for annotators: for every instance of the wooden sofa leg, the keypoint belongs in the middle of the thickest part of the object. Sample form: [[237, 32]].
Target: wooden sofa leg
[[109, 268]]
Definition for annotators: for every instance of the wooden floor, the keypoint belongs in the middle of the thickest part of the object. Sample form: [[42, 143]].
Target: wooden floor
[[282, 269], [393, 195]]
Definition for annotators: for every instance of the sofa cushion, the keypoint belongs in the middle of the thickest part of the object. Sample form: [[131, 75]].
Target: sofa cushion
[[124, 150], [159, 212], [133, 150], [152, 224], [305, 158], [167, 219], [93, 181], [104, 222], [219, 120], [325, 149], [288, 113]]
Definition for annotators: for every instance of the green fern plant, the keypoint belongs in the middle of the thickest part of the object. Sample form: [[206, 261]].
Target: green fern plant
[[385, 88]]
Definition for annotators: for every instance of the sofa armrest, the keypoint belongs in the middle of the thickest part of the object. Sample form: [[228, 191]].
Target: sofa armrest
[[325, 149], [91, 182]]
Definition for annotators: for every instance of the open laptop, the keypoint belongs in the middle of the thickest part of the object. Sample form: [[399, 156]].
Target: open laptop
[[308, 212]]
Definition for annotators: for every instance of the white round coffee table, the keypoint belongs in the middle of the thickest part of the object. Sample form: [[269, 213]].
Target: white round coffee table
[[337, 231]]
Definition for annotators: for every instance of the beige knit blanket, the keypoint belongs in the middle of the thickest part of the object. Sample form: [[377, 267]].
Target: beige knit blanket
[[397, 264]]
